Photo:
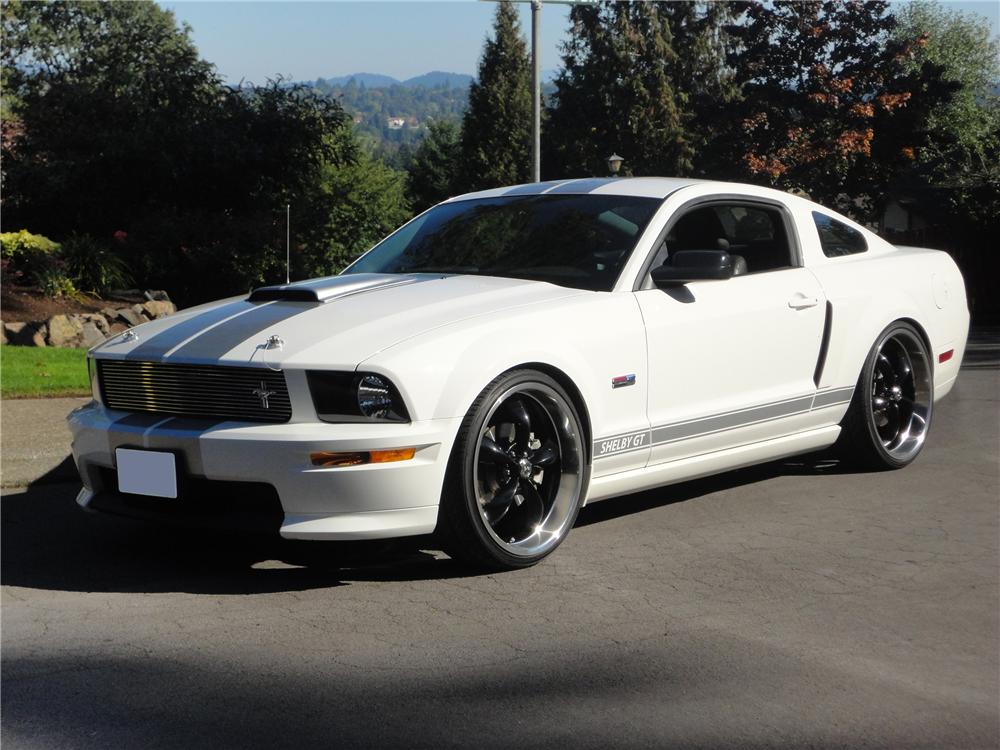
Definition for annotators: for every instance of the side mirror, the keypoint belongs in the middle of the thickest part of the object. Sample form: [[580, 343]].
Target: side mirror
[[693, 265]]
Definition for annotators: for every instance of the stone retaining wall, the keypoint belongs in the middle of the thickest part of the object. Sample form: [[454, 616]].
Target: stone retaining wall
[[86, 329]]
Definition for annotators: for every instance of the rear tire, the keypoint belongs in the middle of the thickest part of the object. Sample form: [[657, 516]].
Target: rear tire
[[517, 474], [890, 413]]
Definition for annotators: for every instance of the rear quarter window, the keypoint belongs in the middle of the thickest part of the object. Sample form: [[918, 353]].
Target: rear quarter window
[[836, 238]]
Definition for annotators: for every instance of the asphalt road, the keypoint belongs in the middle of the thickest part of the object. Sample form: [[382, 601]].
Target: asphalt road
[[791, 605]]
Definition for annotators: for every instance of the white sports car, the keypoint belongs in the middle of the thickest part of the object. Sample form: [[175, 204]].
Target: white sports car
[[509, 355]]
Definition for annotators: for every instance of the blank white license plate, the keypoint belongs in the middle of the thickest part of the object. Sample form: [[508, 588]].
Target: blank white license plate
[[146, 472]]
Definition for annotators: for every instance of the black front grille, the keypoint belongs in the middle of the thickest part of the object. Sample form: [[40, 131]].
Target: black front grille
[[248, 394]]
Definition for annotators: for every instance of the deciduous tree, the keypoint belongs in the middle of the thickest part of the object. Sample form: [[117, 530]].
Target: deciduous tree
[[958, 167], [124, 129], [829, 106]]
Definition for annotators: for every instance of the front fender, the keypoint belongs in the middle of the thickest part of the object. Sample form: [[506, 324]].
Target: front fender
[[591, 339]]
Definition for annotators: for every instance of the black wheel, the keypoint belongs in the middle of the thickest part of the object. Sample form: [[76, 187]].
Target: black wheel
[[887, 421], [517, 474]]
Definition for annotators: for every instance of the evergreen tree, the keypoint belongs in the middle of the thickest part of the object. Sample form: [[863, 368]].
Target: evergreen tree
[[496, 128], [434, 167], [700, 73], [616, 94]]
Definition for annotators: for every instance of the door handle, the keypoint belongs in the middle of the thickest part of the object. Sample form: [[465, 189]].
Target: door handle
[[800, 302]]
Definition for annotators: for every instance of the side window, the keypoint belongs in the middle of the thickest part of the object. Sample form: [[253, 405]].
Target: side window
[[754, 234], [757, 234], [836, 238]]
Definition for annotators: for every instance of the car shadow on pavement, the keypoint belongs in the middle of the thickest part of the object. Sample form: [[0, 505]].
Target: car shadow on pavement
[[813, 464], [50, 543]]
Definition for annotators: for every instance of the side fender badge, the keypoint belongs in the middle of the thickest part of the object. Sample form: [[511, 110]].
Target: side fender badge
[[622, 380]]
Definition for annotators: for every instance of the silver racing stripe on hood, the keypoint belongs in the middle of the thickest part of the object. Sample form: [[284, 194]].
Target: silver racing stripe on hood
[[161, 343], [216, 341]]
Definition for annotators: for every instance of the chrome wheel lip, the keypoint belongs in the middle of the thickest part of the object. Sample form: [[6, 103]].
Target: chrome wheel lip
[[901, 394], [561, 511]]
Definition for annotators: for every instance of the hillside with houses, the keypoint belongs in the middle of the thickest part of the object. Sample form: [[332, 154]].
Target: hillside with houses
[[389, 113]]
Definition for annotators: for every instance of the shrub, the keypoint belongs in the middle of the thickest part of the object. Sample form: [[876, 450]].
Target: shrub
[[26, 255], [93, 266], [54, 282]]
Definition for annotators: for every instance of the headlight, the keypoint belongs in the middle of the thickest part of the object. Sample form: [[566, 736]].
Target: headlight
[[355, 397], [374, 397]]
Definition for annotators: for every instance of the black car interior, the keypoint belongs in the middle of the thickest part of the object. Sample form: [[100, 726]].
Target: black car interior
[[754, 236]]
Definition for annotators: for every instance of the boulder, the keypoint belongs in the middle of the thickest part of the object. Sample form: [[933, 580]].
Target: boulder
[[141, 312], [98, 320], [91, 335], [31, 334], [11, 331], [109, 313], [156, 295], [115, 328], [64, 331], [129, 317], [159, 309]]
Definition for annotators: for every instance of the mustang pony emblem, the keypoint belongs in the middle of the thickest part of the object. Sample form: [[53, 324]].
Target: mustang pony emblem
[[263, 394]]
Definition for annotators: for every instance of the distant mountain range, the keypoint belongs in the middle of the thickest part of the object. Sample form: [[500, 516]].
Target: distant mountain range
[[392, 116], [434, 79]]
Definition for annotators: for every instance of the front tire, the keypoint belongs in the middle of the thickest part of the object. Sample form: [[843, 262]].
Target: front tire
[[517, 476], [890, 413]]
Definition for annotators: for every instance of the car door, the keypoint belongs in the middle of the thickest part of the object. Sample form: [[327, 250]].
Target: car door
[[731, 362]]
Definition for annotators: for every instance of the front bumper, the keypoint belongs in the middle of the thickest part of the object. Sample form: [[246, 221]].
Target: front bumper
[[369, 501]]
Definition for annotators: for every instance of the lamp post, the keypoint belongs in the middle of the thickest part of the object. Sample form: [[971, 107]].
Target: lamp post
[[615, 163], [536, 92]]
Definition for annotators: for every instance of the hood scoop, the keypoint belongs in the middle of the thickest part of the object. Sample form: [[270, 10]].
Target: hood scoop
[[329, 287]]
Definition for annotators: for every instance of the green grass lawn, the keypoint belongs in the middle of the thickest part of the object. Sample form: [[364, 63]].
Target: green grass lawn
[[27, 372]]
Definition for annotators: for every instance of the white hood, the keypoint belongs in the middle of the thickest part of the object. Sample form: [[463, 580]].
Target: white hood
[[339, 322]]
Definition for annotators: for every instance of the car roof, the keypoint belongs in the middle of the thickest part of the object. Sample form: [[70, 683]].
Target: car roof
[[645, 187]]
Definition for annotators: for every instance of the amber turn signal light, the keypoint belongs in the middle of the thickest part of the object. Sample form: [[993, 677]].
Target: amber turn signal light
[[396, 454], [338, 460]]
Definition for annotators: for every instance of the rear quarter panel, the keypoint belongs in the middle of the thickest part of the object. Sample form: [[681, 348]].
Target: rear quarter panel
[[870, 290]]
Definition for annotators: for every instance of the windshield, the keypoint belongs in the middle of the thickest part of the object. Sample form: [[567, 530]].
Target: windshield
[[579, 241]]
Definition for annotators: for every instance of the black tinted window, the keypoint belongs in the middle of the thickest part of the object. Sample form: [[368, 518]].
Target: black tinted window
[[754, 233], [837, 238], [579, 241]]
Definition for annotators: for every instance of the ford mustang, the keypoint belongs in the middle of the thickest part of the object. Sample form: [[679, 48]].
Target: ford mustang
[[510, 355]]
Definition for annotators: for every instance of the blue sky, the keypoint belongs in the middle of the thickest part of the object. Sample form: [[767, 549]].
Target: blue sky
[[307, 40]]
